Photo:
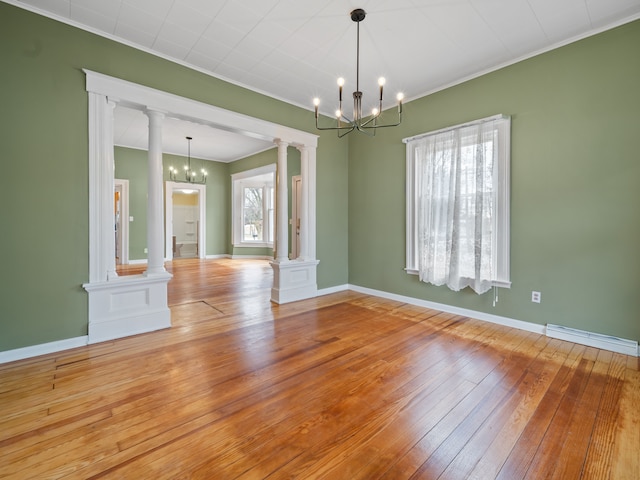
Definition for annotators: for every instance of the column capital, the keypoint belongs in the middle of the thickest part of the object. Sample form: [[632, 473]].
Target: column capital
[[154, 112], [280, 143]]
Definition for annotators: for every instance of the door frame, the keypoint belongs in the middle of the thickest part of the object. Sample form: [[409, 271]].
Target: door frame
[[169, 188], [296, 187], [123, 186]]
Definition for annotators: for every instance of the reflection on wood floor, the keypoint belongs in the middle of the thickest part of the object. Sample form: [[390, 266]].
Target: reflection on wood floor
[[344, 386]]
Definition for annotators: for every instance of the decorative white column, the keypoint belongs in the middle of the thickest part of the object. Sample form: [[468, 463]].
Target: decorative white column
[[155, 228], [101, 173], [108, 214], [129, 304], [296, 280], [282, 203], [304, 204], [311, 203]]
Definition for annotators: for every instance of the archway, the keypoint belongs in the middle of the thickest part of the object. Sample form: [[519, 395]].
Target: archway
[[120, 306]]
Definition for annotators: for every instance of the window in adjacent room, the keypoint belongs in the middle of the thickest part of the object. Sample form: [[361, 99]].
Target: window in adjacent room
[[253, 207], [458, 205]]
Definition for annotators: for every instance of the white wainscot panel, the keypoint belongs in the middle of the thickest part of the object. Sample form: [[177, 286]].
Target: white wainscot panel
[[126, 306], [294, 280]]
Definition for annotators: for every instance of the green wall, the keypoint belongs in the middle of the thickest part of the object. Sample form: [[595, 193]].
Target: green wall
[[268, 157], [575, 176], [131, 164], [44, 188], [575, 195]]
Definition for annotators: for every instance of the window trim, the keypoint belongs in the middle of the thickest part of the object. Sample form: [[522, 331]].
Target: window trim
[[502, 196], [239, 181]]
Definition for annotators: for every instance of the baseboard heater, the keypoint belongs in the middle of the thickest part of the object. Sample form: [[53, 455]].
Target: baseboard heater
[[606, 342]]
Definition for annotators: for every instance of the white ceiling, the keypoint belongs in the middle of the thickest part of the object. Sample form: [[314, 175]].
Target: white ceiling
[[131, 130], [294, 50]]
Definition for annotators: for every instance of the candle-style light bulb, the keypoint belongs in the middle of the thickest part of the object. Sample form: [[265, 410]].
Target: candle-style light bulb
[[338, 113], [340, 85], [375, 112], [316, 102], [381, 82]]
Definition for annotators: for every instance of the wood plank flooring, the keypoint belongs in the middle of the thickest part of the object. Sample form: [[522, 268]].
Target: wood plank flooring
[[344, 386]]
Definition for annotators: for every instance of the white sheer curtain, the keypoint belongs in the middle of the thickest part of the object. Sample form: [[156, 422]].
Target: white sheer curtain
[[455, 207]]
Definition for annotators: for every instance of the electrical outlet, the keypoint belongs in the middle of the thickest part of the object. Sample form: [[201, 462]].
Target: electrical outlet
[[536, 297], [146, 250]]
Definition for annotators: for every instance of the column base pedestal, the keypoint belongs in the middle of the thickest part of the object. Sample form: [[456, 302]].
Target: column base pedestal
[[294, 280], [128, 305]]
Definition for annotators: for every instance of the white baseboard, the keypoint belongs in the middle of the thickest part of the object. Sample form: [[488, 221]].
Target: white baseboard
[[598, 340], [330, 290], [251, 257], [604, 342], [220, 255], [43, 349], [487, 317]]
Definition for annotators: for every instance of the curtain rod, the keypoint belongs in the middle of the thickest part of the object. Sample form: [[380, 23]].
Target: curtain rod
[[455, 127]]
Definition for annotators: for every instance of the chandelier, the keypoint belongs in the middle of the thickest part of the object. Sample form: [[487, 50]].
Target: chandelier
[[190, 175], [345, 125]]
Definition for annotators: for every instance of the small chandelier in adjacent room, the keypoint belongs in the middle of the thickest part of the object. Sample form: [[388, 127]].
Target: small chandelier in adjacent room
[[368, 124], [190, 175]]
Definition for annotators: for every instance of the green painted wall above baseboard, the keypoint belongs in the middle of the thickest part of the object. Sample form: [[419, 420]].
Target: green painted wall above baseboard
[[575, 166], [45, 134], [575, 177]]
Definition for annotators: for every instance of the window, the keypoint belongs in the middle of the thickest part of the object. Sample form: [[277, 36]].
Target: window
[[253, 207], [458, 205]]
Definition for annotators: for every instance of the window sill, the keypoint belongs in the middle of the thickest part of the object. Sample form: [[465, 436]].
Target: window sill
[[253, 245], [495, 283]]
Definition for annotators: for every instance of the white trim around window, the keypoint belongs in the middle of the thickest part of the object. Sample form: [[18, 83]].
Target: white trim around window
[[261, 177], [501, 222]]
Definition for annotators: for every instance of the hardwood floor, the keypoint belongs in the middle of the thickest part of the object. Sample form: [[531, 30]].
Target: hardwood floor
[[344, 386]]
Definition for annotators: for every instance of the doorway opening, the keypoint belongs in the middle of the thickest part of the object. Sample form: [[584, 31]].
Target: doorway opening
[[186, 223], [185, 217]]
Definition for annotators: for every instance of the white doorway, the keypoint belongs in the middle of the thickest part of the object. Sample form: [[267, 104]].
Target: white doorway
[[121, 220], [296, 192], [185, 217], [186, 223]]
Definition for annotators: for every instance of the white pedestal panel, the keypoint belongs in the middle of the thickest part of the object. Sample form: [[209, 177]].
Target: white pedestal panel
[[294, 280], [127, 306]]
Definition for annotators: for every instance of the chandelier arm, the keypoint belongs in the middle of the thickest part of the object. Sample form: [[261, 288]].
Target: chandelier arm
[[366, 131], [387, 125], [348, 127], [372, 119], [362, 124], [384, 126], [340, 135]]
